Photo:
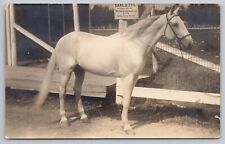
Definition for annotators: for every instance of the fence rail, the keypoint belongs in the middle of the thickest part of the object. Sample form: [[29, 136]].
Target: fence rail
[[172, 95], [33, 37], [204, 28], [188, 57]]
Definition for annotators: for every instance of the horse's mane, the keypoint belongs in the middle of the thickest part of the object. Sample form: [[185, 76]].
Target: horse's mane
[[141, 25]]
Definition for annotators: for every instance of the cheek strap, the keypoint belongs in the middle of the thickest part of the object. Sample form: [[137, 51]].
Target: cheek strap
[[177, 39]]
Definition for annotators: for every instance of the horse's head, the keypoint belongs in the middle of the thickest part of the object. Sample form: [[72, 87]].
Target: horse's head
[[176, 29]]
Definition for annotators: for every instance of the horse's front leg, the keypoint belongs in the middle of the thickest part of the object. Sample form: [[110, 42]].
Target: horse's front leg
[[155, 61], [128, 83]]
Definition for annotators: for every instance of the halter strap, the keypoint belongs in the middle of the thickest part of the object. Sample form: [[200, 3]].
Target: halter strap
[[179, 39], [168, 21]]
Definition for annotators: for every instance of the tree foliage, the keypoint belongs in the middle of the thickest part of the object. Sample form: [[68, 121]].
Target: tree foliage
[[202, 14], [102, 17], [198, 14]]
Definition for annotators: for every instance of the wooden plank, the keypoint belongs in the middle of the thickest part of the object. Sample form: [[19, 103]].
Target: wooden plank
[[7, 33], [24, 84], [173, 95], [12, 35], [33, 37], [188, 57], [31, 78], [38, 74]]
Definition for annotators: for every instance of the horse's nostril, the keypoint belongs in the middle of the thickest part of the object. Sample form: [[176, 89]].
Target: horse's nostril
[[190, 45]]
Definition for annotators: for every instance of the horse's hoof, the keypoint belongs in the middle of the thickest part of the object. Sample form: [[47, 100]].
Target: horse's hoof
[[85, 120], [64, 123], [130, 132], [36, 109]]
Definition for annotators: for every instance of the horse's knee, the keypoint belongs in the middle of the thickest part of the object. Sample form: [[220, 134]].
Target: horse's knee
[[77, 90], [62, 91], [126, 105]]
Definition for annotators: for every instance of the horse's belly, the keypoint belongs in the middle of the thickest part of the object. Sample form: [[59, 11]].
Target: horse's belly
[[108, 66], [100, 69], [99, 64]]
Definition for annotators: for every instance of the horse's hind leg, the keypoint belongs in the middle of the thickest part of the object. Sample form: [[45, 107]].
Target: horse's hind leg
[[64, 79], [79, 74]]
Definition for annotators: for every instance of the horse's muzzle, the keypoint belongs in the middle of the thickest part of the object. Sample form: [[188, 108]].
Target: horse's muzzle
[[186, 45], [189, 46]]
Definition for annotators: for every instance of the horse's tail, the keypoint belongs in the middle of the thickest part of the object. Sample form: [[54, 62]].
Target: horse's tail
[[43, 92]]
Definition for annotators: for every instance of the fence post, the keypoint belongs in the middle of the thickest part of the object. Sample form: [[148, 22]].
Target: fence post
[[89, 18], [119, 98], [12, 35], [7, 34], [76, 17]]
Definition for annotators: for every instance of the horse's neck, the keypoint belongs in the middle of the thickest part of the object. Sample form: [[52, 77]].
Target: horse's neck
[[154, 32], [151, 35]]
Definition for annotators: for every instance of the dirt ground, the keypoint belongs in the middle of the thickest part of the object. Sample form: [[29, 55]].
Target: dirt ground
[[157, 120]]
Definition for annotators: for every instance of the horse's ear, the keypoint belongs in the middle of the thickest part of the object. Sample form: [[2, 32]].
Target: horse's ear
[[174, 10], [146, 13]]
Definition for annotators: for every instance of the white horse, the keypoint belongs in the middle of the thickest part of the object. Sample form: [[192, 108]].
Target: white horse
[[120, 55]]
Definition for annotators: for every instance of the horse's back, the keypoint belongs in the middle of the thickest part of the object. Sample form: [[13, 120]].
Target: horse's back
[[69, 43]]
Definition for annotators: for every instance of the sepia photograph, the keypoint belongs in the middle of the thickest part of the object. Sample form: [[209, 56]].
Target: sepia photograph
[[112, 71]]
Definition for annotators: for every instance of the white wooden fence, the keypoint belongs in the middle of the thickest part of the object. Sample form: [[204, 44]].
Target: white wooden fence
[[171, 95]]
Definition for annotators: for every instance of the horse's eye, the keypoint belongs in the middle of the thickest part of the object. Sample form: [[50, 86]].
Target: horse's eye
[[175, 24]]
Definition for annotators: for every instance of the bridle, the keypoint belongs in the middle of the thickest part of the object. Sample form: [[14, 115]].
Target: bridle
[[178, 39]]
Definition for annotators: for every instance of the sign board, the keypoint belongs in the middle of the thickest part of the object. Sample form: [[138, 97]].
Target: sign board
[[126, 11]]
